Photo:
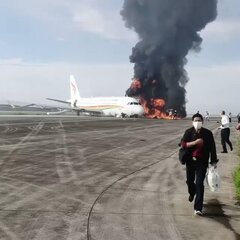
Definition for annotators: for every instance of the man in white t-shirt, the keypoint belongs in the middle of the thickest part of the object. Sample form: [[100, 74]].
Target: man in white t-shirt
[[207, 116], [225, 132]]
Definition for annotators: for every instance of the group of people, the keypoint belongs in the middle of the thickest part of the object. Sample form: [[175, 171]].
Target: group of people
[[200, 143], [172, 113], [207, 116]]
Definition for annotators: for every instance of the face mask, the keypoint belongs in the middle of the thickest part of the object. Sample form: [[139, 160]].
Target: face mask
[[197, 125]]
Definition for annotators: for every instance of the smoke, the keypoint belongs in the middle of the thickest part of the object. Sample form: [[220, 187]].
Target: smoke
[[168, 30]]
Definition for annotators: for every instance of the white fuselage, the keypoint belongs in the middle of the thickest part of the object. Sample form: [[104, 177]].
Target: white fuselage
[[111, 106]]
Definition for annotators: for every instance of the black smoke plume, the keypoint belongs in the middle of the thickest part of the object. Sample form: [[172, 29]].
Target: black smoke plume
[[168, 30]]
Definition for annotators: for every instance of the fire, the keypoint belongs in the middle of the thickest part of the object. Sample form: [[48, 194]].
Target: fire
[[136, 84], [158, 103], [154, 108]]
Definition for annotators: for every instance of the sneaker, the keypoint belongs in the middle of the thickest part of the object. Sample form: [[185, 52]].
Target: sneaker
[[190, 198], [224, 152], [198, 212]]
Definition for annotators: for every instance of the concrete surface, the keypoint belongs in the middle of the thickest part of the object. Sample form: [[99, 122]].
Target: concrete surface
[[105, 179]]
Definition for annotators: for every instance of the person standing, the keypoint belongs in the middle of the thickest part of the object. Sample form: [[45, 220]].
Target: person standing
[[238, 117], [201, 145], [225, 132], [175, 114], [207, 116], [230, 117]]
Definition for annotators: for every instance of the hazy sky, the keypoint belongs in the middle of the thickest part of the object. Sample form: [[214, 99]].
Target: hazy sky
[[43, 41]]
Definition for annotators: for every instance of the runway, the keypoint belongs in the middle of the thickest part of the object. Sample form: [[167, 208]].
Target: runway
[[103, 179]]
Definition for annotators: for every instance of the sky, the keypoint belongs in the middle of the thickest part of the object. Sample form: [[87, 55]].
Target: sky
[[42, 42]]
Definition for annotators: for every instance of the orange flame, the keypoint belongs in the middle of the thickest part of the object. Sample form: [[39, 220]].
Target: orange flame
[[158, 103], [154, 108], [136, 84]]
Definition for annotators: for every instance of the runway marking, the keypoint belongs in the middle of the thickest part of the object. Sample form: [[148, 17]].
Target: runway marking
[[10, 130], [34, 132], [137, 149], [17, 145], [65, 120], [16, 124], [46, 190], [64, 166], [25, 200], [6, 130], [112, 184]]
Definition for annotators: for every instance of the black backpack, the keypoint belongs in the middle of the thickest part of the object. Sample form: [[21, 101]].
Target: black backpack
[[184, 155]]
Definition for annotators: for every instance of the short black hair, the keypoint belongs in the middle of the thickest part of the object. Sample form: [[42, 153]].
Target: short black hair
[[223, 112], [197, 115]]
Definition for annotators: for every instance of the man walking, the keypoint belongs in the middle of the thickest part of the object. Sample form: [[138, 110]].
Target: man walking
[[230, 117], [200, 143], [225, 132], [207, 116]]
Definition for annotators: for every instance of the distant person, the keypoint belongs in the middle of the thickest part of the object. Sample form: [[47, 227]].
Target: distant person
[[225, 132], [201, 145], [170, 113], [230, 117], [175, 114], [238, 117], [207, 116]]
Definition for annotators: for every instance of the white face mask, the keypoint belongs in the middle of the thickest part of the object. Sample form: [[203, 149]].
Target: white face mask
[[197, 125]]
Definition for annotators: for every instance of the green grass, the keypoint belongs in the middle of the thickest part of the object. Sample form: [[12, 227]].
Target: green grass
[[236, 175], [238, 144]]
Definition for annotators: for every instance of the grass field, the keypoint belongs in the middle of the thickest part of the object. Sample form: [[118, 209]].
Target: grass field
[[236, 175]]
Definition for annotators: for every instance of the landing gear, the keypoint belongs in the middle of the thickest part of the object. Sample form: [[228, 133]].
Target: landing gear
[[123, 115], [134, 116]]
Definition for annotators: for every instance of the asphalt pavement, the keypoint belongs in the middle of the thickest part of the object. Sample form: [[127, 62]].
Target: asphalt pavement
[[106, 179]]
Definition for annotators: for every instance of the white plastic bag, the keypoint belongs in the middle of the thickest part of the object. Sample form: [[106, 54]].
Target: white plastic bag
[[213, 178]]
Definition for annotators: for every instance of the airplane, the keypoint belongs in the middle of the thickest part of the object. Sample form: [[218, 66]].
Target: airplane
[[34, 106], [107, 106]]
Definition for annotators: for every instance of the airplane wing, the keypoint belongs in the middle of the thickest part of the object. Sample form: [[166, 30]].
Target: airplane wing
[[57, 100], [77, 109], [35, 107]]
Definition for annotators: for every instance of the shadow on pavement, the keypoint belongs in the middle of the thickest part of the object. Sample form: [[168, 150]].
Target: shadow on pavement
[[214, 210]]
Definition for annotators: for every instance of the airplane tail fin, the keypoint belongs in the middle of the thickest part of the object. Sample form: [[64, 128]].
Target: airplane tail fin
[[75, 96]]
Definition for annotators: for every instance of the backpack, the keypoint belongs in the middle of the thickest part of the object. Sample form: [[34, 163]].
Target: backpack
[[184, 155]]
